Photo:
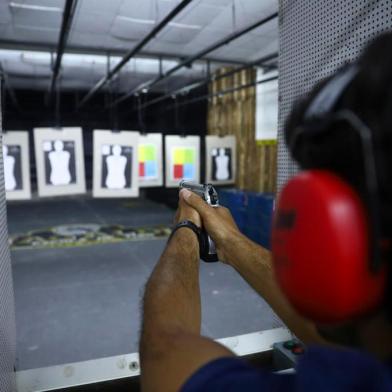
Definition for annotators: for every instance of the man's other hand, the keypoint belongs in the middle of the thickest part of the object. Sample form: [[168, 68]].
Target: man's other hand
[[186, 212], [217, 221]]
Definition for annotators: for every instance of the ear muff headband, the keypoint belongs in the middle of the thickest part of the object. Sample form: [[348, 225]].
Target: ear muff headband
[[317, 116], [327, 98]]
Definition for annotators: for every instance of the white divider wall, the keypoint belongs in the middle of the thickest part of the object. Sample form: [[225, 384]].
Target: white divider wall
[[7, 313], [17, 143], [316, 38]]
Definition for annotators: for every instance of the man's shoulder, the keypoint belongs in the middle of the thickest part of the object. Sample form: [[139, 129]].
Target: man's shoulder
[[320, 369]]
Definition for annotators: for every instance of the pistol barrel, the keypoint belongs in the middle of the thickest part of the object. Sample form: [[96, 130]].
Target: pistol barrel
[[192, 186]]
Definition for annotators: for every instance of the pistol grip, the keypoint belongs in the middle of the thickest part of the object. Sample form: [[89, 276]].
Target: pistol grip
[[207, 248]]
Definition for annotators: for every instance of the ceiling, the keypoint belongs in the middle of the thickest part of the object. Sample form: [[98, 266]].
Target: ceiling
[[29, 31]]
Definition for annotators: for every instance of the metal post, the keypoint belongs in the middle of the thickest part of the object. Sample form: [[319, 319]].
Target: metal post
[[9, 88], [69, 10]]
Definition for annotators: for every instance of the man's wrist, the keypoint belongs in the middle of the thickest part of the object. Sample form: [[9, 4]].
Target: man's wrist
[[186, 236], [187, 230], [188, 224]]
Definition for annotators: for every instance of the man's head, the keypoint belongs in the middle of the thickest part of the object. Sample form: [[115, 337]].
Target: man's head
[[339, 148], [369, 96]]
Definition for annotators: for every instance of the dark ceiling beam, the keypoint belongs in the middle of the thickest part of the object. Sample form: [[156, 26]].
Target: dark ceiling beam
[[223, 92], [33, 46], [189, 60], [17, 75], [69, 10], [152, 34], [185, 89], [9, 88]]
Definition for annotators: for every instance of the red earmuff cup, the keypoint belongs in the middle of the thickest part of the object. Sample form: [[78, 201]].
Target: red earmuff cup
[[320, 247]]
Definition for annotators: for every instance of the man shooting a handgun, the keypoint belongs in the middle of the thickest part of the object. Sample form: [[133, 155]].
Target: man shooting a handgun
[[332, 231]]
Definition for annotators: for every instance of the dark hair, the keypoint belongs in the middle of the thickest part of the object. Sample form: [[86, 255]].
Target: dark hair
[[369, 96]]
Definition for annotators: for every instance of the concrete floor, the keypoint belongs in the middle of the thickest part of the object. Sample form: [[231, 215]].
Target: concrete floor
[[42, 213], [75, 304]]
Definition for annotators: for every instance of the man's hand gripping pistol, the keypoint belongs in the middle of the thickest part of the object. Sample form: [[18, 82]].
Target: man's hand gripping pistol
[[208, 193]]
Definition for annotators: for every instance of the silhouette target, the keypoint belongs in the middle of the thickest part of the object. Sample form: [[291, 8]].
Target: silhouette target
[[13, 157], [116, 173], [221, 163], [57, 170]]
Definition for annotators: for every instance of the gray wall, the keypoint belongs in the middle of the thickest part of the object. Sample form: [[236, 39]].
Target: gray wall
[[7, 316], [316, 37]]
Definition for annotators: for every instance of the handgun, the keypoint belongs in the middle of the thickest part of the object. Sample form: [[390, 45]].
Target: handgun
[[209, 194]]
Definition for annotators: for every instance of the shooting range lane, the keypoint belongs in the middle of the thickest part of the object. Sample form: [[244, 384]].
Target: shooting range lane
[[81, 303], [42, 214]]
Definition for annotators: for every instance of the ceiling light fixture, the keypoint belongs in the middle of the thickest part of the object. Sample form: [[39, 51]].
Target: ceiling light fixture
[[78, 59], [185, 26], [142, 65], [36, 58], [35, 7], [135, 20]]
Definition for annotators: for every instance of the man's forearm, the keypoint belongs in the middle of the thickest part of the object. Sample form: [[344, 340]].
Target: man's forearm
[[254, 264], [172, 295], [171, 348]]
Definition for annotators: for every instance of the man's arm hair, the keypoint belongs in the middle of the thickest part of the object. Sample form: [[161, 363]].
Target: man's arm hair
[[171, 348]]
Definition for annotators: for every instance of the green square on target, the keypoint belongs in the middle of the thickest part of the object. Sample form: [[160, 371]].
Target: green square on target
[[150, 153], [189, 155]]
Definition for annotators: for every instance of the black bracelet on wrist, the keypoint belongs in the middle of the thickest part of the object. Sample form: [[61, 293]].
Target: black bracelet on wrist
[[202, 237], [188, 224]]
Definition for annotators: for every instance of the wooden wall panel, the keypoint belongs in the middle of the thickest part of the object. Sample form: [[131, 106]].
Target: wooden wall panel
[[234, 114]]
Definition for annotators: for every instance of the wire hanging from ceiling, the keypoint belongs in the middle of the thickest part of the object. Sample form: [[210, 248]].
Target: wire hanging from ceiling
[[234, 16], [113, 113], [3, 99], [57, 114], [142, 126]]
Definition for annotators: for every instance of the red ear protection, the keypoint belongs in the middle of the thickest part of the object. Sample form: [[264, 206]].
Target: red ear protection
[[320, 245]]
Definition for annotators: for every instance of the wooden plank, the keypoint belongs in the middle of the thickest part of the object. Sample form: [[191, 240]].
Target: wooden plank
[[234, 114]]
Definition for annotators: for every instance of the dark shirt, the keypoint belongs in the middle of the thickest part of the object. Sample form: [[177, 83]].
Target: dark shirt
[[319, 370]]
